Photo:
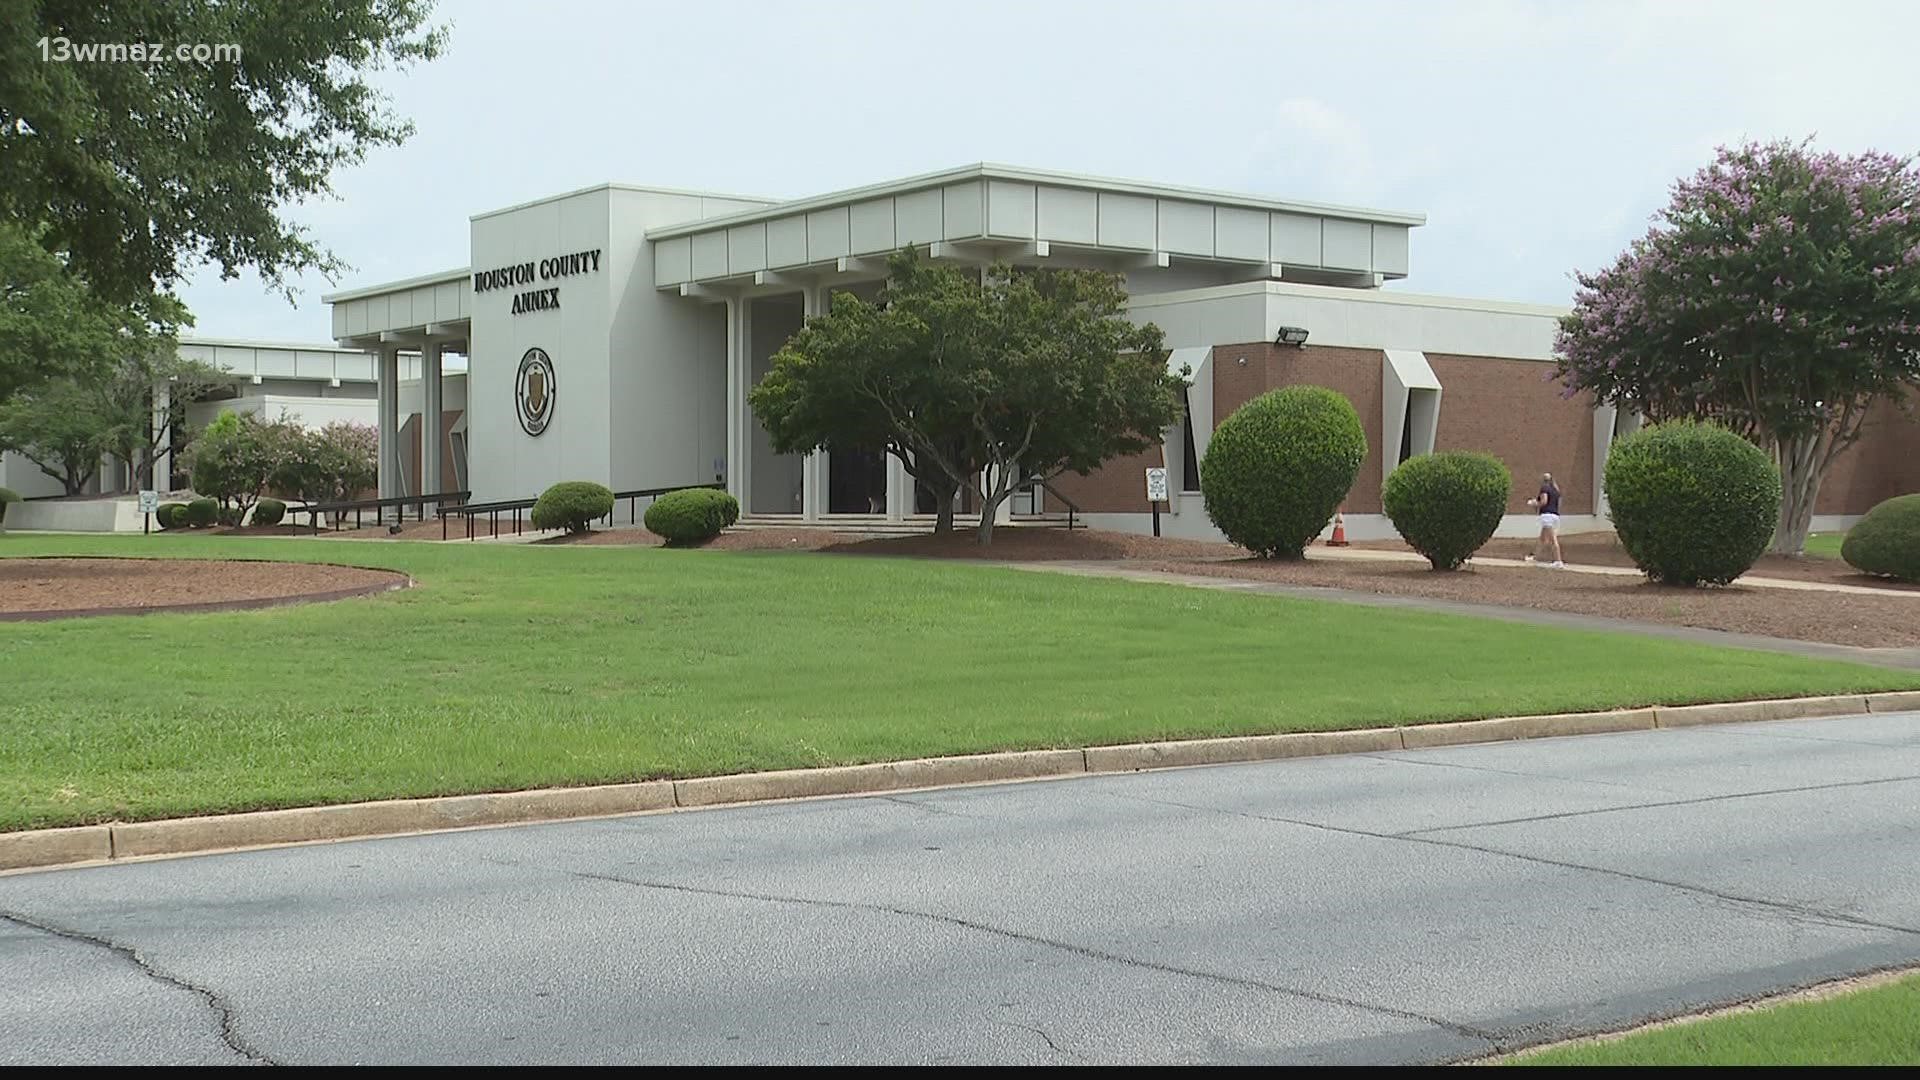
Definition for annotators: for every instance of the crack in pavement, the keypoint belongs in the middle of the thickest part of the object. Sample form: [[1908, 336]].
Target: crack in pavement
[[1398, 760], [1753, 733], [1048, 1039], [1801, 911], [924, 808], [1730, 796], [1085, 951], [222, 1008]]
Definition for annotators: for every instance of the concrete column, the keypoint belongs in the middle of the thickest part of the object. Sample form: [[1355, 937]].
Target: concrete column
[[736, 400], [431, 412], [162, 428], [387, 393], [899, 490], [1605, 421], [813, 469]]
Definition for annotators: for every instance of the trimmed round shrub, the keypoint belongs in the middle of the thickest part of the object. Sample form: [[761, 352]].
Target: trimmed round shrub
[[1278, 468], [573, 505], [1887, 541], [269, 512], [691, 515], [202, 513], [1447, 505], [167, 515], [1693, 503], [7, 495]]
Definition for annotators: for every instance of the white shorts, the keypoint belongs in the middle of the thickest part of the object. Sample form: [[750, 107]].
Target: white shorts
[[1550, 521]]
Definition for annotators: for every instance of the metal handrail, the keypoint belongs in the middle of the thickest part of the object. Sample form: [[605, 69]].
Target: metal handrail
[[379, 507], [1073, 508], [493, 510], [633, 497]]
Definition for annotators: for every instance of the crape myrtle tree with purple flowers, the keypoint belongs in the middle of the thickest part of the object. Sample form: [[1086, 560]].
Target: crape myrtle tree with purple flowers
[[1778, 294]]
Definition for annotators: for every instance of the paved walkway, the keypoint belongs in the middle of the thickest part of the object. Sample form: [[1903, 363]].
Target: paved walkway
[[1907, 659], [1755, 580], [1404, 907]]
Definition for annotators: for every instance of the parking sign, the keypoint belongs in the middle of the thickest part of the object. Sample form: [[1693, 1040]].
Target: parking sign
[[1156, 485]]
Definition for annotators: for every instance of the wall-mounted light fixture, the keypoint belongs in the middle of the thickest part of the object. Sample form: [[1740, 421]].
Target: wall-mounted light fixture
[[1295, 336], [257, 380]]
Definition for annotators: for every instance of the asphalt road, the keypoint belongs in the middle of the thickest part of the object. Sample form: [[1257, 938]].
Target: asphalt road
[[1406, 907]]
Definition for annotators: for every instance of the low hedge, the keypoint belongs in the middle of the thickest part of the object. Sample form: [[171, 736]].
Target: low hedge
[[269, 512], [168, 515], [1886, 542], [1447, 505], [573, 505], [1692, 503], [7, 495], [691, 515], [1278, 468], [201, 513]]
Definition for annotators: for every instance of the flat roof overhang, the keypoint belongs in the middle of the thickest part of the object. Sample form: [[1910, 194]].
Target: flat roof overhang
[[982, 213], [405, 312]]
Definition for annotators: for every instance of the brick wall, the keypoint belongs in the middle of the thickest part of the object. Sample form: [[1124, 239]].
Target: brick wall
[[1118, 487], [1509, 408], [1353, 372], [1884, 463]]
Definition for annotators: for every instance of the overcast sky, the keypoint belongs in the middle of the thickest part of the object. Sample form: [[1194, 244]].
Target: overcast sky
[[1537, 137]]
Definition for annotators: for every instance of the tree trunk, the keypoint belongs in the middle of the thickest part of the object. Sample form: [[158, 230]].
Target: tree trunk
[[1800, 477], [992, 493], [943, 514]]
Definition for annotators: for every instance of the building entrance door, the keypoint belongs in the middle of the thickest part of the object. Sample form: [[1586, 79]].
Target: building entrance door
[[856, 482]]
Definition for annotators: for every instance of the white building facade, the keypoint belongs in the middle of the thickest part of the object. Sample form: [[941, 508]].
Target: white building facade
[[612, 335], [655, 310]]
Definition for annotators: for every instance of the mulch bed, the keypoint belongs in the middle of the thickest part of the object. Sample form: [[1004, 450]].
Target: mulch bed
[[1603, 549], [1009, 545], [1040, 545], [737, 540], [32, 588], [456, 529], [1840, 618]]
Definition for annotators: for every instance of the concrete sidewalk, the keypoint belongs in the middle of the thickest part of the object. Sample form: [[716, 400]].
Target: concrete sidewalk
[[1350, 554]]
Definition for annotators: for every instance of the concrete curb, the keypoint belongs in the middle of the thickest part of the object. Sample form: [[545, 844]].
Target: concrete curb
[[43, 848]]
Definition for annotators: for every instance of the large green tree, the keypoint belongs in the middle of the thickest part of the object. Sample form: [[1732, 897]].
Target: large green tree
[[52, 325], [133, 431], [135, 172], [59, 427], [978, 381], [1778, 294]]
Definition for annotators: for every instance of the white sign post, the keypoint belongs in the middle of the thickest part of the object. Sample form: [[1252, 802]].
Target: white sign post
[[1156, 494], [149, 502], [1157, 485]]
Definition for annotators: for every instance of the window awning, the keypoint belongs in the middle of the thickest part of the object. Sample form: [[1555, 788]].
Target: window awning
[[1411, 369], [1189, 357]]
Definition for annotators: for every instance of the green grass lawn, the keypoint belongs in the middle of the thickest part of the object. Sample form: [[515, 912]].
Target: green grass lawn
[[1825, 545], [1879, 1026], [517, 666]]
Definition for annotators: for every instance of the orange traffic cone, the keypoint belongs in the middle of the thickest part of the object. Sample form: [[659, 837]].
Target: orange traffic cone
[[1339, 537]]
